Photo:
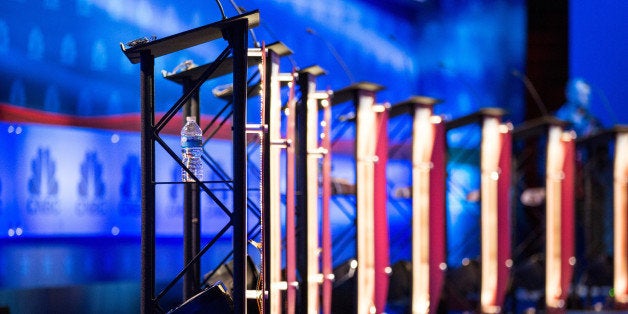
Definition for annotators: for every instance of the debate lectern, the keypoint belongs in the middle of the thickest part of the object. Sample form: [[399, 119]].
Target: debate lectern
[[187, 76], [554, 161], [312, 251], [603, 213], [620, 192], [145, 51], [371, 145], [495, 168], [428, 202]]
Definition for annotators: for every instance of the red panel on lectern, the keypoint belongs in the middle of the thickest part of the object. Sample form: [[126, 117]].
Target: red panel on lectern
[[437, 215], [381, 214]]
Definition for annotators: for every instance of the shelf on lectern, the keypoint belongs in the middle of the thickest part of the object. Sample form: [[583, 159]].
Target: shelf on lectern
[[407, 105], [347, 93], [537, 126], [187, 39], [224, 68], [475, 117], [227, 92]]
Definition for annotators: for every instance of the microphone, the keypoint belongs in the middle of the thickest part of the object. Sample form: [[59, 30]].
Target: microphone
[[607, 106], [334, 53], [222, 10], [533, 92], [240, 10]]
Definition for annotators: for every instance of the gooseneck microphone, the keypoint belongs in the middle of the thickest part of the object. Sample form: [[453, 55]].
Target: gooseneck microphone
[[605, 103], [240, 10], [334, 53], [222, 10], [532, 90]]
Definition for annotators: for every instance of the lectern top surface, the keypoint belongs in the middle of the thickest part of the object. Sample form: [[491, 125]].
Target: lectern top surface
[[187, 39], [475, 117], [407, 105], [537, 126], [348, 92], [313, 70], [603, 135], [224, 68], [279, 48]]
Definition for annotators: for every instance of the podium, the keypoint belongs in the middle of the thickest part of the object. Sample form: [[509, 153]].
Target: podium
[[291, 250], [556, 171], [311, 251], [494, 197], [234, 31], [603, 218], [371, 145], [272, 145], [269, 89], [428, 202], [620, 205]]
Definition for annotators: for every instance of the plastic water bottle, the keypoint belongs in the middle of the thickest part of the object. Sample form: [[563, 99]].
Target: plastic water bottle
[[192, 149]]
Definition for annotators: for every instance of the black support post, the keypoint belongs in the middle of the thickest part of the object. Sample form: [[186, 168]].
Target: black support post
[[236, 34], [191, 209], [147, 79], [234, 30], [301, 187]]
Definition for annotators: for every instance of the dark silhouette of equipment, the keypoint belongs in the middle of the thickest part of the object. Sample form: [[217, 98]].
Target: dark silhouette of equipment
[[462, 287], [343, 297], [224, 274], [214, 299], [400, 287]]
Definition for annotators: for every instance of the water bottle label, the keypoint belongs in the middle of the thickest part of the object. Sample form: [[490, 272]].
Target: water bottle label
[[191, 142]]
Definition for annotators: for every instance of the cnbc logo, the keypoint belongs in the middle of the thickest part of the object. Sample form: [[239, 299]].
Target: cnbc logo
[[131, 187], [91, 188], [43, 187]]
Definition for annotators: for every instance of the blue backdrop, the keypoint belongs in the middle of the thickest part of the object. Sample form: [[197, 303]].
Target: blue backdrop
[[62, 58], [597, 53]]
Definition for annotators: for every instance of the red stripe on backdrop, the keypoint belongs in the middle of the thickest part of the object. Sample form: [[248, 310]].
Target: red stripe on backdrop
[[119, 122], [381, 214], [437, 216]]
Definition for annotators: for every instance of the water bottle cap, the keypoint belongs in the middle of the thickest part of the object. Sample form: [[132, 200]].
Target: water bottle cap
[[190, 119]]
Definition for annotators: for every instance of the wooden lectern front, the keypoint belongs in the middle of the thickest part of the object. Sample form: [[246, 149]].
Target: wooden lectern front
[[558, 194], [495, 164], [311, 256], [371, 196], [428, 202], [604, 218]]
